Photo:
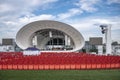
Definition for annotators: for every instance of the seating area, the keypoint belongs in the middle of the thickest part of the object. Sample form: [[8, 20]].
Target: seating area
[[57, 61]]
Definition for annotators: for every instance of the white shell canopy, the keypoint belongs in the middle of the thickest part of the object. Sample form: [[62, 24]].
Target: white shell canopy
[[24, 35]]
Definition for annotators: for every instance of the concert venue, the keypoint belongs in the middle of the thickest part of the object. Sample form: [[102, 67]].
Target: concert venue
[[49, 35], [53, 45]]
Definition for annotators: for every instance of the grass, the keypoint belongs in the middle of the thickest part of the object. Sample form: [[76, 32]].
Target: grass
[[60, 74]]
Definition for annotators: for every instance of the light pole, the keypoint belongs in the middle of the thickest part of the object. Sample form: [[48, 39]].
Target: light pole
[[106, 29]]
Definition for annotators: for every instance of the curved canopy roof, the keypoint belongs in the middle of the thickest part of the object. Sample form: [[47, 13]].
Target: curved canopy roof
[[23, 37]]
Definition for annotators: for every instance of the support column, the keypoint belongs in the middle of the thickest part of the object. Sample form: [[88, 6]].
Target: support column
[[35, 41], [69, 41], [107, 30], [108, 40], [50, 34], [66, 40]]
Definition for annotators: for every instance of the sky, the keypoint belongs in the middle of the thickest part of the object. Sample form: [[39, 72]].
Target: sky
[[84, 15]]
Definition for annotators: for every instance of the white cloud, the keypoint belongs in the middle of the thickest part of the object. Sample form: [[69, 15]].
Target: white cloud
[[19, 8], [9, 23], [28, 19], [81, 5], [113, 1], [43, 17], [18, 12], [5, 8], [87, 5], [70, 13], [90, 23]]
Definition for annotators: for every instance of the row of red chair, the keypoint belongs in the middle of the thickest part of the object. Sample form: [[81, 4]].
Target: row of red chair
[[60, 67], [76, 60]]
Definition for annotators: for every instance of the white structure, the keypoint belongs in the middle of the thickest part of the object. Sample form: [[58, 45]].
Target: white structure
[[50, 35], [107, 30], [100, 49], [116, 49], [7, 48], [8, 45], [31, 51]]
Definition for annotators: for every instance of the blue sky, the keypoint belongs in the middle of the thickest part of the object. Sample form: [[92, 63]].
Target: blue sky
[[84, 15]]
